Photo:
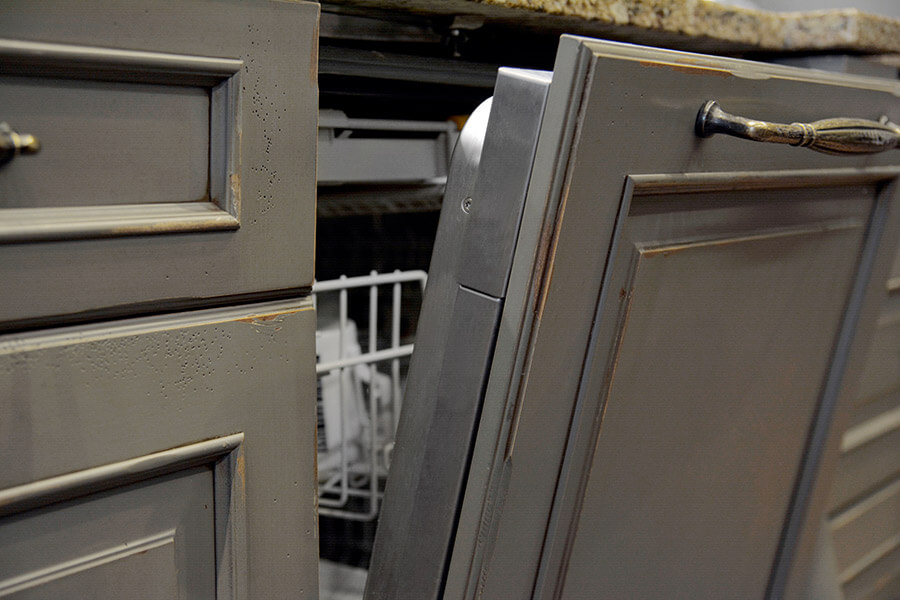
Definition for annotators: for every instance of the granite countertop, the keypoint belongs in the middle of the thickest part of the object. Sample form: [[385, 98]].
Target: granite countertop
[[700, 25]]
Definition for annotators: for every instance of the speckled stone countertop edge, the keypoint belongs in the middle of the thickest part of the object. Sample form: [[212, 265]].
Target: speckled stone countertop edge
[[678, 22]]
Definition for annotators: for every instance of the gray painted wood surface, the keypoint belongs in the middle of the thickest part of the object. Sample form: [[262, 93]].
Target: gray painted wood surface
[[598, 414], [94, 411], [858, 545], [157, 379], [694, 465], [194, 211], [865, 497], [133, 131], [153, 539]]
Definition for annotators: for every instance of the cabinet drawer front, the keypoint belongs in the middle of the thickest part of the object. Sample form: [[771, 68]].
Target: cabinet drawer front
[[131, 132], [93, 412], [177, 160]]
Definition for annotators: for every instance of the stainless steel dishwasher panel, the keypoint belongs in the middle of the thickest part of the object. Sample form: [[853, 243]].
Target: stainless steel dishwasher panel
[[455, 339]]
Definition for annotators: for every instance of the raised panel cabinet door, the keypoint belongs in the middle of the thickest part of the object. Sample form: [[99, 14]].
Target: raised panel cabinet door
[[682, 331], [177, 156], [161, 457]]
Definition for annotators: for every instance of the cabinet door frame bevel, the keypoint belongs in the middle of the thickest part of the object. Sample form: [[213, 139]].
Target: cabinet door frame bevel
[[219, 210], [224, 455], [835, 399]]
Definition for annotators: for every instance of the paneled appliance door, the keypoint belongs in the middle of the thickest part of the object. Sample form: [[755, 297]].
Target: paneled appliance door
[[648, 335], [157, 384]]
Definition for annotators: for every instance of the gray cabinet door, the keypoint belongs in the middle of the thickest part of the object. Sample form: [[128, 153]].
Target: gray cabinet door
[[161, 457], [682, 329], [177, 161], [157, 385], [691, 312]]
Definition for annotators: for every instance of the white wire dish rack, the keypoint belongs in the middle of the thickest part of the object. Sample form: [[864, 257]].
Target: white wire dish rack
[[359, 391]]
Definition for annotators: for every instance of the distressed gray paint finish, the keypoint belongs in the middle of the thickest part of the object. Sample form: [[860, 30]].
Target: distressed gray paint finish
[[880, 582], [881, 375], [694, 465], [81, 398], [153, 539], [864, 469], [257, 62], [534, 515], [116, 131], [868, 528], [865, 495], [894, 281], [167, 456]]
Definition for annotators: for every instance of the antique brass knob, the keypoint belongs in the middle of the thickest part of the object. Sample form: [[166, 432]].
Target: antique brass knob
[[12, 144], [831, 136]]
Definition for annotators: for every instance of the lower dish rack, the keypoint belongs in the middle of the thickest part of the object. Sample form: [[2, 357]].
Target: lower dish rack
[[361, 370]]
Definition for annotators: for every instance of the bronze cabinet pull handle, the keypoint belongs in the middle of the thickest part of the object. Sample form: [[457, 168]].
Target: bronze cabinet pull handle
[[12, 144], [831, 136]]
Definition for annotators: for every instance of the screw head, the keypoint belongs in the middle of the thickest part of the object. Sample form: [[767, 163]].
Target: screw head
[[467, 205]]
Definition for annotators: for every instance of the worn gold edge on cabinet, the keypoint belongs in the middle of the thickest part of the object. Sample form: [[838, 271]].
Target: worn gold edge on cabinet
[[72, 485], [680, 183], [88, 62], [18, 225], [45, 575], [260, 315], [730, 67]]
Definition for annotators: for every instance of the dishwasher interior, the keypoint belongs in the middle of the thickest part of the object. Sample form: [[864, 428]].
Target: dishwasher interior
[[394, 94]]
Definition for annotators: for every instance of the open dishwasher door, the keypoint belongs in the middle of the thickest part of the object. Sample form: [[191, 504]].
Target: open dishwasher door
[[641, 334]]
